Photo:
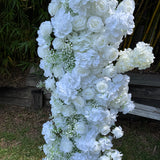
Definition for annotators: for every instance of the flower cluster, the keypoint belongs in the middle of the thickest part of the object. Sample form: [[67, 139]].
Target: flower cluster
[[83, 69]]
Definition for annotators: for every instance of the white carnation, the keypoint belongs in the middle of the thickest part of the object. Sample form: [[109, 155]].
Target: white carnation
[[66, 145], [95, 24], [118, 133]]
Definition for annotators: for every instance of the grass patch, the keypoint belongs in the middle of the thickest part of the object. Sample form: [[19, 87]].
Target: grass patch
[[20, 135]]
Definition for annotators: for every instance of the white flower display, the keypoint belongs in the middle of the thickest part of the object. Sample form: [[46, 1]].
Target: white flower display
[[83, 66]]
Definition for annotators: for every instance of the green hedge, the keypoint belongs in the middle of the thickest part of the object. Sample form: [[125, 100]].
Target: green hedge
[[19, 22]]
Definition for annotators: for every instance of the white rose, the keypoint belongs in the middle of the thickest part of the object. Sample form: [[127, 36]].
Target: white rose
[[66, 145], [79, 102], [109, 71], [58, 43], [95, 24], [101, 87], [53, 7], [127, 6], [100, 42], [105, 129], [58, 71], [110, 54], [43, 51], [45, 29], [118, 133], [79, 23], [88, 93]]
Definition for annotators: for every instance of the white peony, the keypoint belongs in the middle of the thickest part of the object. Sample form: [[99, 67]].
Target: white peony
[[118, 133], [95, 24]]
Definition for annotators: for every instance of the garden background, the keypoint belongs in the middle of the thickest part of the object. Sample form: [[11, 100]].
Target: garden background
[[20, 129]]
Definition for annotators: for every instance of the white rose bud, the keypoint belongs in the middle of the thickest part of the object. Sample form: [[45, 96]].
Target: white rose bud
[[95, 24], [101, 87]]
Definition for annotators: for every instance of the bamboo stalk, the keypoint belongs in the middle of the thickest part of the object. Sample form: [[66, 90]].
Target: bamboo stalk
[[154, 30], [157, 37], [153, 16]]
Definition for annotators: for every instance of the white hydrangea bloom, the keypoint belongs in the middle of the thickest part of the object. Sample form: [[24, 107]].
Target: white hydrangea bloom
[[65, 27]]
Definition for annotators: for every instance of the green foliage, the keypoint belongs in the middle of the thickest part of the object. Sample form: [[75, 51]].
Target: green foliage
[[20, 20]]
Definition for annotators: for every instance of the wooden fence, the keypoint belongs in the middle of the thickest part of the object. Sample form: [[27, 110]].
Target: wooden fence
[[145, 89]]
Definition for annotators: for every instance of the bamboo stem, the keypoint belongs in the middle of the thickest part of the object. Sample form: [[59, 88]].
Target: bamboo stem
[[153, 16]]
